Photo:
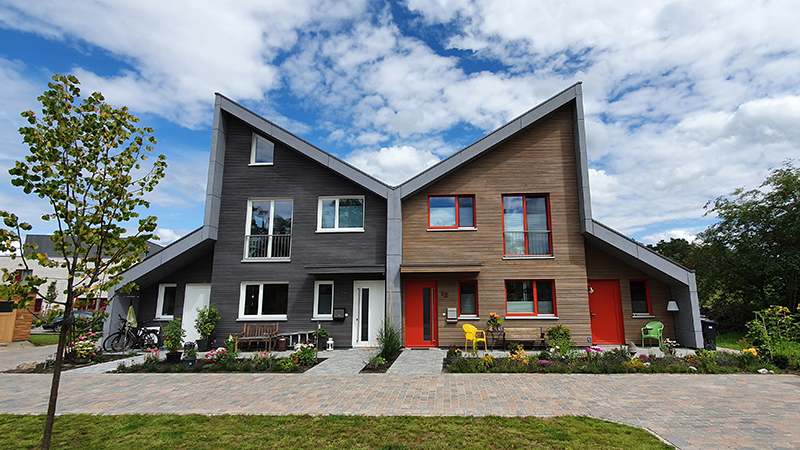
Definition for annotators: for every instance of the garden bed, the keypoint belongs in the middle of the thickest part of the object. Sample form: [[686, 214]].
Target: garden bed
[[237, 365], [594, 360], [47, 366], [379, 368]]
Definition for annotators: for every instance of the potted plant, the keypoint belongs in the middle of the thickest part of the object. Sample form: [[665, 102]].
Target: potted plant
[[321, 334], [190, 356], [495, 322], [173, 340], [205, 324]]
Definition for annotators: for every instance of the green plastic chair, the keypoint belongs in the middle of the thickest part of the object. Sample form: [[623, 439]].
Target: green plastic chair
[[652, 330]]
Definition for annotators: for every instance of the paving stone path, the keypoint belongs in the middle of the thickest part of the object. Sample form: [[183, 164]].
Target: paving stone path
[[688, 411]]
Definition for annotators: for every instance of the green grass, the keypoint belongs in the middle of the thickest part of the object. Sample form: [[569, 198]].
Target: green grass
[[43, 339], [730, 339], [321, 432]]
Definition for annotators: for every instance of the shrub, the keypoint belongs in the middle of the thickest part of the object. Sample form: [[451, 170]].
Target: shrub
[[390, 340], [206, 321], [306, 355], [285, 365], [560, 342], [173, 335]]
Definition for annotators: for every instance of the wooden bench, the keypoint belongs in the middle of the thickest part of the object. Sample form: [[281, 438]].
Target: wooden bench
[[258, 332], [533, 336]]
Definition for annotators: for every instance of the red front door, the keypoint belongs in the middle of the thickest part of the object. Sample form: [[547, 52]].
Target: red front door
[[605, 308], [421, 328]]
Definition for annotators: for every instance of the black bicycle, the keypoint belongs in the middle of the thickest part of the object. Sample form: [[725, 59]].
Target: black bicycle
[[130, 337]]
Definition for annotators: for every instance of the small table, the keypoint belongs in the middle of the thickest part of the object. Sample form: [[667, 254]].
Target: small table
[[494, 336]]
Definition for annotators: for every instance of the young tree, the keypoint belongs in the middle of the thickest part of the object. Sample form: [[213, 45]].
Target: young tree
[[755, 243], [86, 160]]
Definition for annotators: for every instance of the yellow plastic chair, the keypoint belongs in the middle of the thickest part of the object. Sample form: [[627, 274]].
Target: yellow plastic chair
[[471, 334], [652, 330]]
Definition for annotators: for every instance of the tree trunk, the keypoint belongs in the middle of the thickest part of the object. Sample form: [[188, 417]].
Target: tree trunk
[[62, 343]]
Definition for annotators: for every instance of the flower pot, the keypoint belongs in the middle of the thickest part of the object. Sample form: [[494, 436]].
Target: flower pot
[[189, 361], [174, 358], [202, 344]]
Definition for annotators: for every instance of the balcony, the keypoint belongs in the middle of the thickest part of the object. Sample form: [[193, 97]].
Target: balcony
[[268, 247]]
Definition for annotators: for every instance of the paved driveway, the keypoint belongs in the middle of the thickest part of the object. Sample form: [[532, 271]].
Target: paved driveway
[[689, 411]]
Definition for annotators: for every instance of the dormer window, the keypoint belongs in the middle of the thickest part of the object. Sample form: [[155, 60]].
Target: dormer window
[[262, 151]]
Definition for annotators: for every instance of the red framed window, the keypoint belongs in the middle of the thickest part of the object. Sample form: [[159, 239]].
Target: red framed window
[[530, 298], [468, 298], [640, 298], [451, 212], [526, 225]]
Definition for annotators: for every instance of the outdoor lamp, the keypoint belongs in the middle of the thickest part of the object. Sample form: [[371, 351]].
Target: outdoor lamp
[[672, 306]]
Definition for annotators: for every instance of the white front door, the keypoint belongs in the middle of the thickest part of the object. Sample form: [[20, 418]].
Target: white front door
[[197, 297], [369, 303]]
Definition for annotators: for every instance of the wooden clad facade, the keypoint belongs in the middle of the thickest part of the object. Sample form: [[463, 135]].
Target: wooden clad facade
[[539, 160]]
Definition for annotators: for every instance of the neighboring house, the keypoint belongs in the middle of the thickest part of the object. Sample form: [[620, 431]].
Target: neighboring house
[[296, 236]]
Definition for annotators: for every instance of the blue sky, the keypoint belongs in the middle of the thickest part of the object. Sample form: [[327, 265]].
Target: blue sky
[[684, 101]]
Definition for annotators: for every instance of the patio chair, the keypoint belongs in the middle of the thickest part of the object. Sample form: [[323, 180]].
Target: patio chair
[[652, 330], [471, 334]]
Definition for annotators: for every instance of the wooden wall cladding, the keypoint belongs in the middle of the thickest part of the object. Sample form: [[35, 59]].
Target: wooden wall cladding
[[601, 266], [539, 160]]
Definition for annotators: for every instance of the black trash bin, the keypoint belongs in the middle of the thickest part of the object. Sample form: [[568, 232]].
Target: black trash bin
[[709, 334]]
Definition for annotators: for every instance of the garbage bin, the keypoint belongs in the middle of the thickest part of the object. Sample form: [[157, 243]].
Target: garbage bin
[[280, 346], [709, 334]]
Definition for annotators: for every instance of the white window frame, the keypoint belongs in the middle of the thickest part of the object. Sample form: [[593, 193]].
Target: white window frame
[[245, 256], [317, 315], [336, 228], [160, 303], [253, 147], [260, 284]]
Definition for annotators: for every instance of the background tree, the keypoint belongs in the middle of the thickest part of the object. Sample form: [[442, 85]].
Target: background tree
[[86, 161]]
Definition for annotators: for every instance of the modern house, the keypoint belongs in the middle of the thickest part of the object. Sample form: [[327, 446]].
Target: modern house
[[296, 236]]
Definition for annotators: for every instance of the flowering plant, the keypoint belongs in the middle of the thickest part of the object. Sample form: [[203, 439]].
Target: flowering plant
[[494, 320], [84, 345], [752, 351], [153, 356], [220, 354], [173, 335]]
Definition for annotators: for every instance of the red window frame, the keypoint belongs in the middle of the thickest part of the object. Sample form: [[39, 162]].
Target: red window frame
[[457, 226], [546, 198], [535, 299], [647, 293], [475, 282]]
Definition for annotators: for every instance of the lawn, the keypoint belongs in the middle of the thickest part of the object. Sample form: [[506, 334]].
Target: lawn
[[730, 339], [43, 339], [321, 432]]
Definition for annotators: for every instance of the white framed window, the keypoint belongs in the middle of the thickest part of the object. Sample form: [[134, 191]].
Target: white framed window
[[268, 235], [338, 214], [323, 300], [262, 151], [165, 306], [264, 300]]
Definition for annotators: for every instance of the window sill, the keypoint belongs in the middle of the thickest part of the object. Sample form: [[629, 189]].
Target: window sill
[[263, 319], [454, 229], [341, 230], [267, 260], [529, 257], [469, 318], [531, 318], [643, 316], [322, 319], [163, 318], [260, 164]]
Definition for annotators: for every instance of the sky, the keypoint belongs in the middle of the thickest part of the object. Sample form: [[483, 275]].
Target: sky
[[684, 101]]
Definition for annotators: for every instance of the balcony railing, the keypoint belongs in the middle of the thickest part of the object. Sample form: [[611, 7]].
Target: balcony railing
[[269, 246], [534, 243]]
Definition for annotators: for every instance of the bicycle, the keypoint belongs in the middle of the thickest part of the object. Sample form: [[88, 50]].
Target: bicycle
[[132, 337]]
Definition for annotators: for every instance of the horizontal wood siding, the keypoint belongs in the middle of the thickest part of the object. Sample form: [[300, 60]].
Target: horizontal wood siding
[[601, 266], [539, 160], [197, 272], [292, 176]]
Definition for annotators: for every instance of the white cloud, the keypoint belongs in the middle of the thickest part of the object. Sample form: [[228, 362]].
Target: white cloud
[[167, 236], [690, 234], [392, 164]]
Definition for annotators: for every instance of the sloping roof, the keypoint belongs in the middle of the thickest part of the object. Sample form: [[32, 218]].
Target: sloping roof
[[46, 246]]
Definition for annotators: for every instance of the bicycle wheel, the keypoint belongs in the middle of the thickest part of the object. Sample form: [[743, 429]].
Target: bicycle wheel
[[150, 339], [107, 347], [120, 342]]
